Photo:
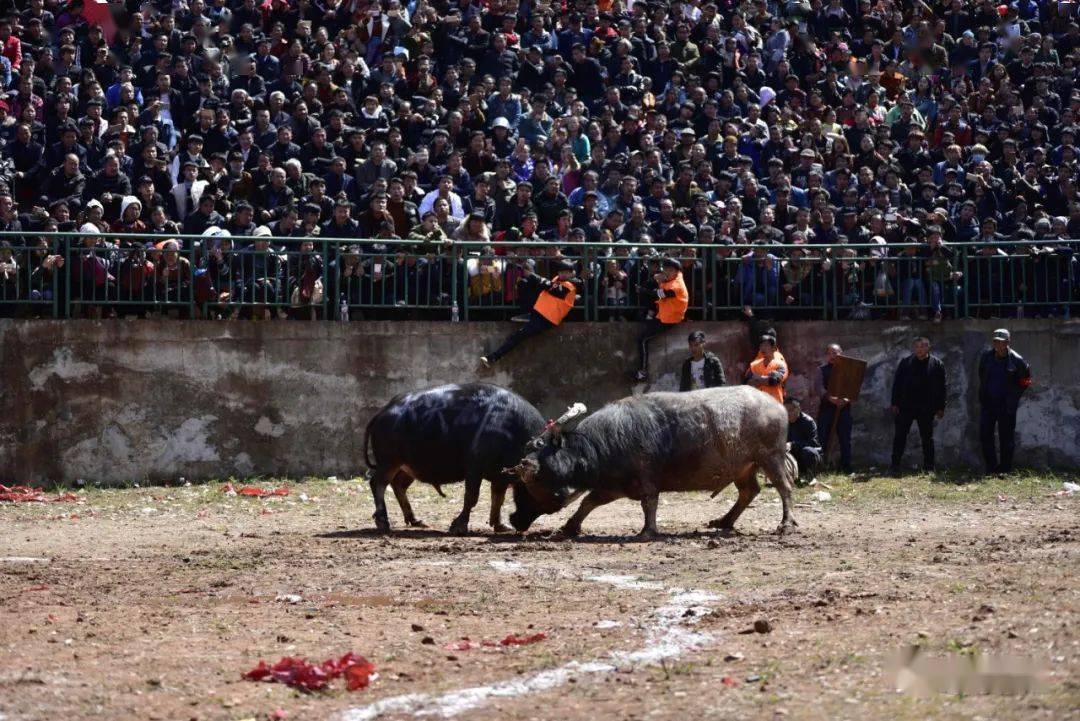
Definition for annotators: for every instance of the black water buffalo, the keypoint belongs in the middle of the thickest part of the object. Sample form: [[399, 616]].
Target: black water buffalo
[[643, 445], [444, 435]]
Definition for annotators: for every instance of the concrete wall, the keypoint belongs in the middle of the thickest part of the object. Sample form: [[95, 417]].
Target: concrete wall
[[117, 401]]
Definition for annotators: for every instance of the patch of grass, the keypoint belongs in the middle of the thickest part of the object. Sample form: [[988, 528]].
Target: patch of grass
[[947, 487], [673, 668]]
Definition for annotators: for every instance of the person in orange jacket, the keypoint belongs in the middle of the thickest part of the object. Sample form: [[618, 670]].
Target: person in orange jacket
[[672, 300], [555, 301], [769, 371]]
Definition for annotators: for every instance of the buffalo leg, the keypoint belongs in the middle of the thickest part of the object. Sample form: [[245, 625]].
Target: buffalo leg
[[748, 490], [648, 506], [591, 502], [400, 486], [460, 526], [380, 479], [498, 495], [782, 473]]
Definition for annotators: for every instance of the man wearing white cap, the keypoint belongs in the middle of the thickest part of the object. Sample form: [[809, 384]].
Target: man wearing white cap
[[1003, 377]]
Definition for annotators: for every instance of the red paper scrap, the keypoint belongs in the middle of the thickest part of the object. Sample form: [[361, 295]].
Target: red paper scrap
[[28, 494], [254, 491], [513, 639], [729, 682], [42, 587], [302, 674]]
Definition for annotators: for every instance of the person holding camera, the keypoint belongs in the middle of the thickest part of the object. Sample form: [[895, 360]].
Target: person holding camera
[[670, 302]]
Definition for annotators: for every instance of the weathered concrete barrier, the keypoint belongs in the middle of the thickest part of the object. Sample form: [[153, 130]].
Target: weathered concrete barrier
[[118, 401]]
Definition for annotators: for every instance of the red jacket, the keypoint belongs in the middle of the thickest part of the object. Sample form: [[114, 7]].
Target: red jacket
[[13, 51]]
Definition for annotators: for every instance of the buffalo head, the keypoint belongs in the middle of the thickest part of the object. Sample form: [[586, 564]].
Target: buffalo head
[[543, 473]]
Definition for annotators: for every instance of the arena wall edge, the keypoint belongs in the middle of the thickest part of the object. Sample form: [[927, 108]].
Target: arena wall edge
[[118, 401]]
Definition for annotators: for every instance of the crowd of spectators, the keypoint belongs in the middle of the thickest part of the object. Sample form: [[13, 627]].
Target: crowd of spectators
[[774, 132]]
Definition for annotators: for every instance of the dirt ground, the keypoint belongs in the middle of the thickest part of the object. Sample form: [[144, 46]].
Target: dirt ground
[[150, 603]]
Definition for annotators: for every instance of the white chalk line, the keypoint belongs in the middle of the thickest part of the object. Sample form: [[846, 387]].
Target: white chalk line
[[668, 636], [506, 566]]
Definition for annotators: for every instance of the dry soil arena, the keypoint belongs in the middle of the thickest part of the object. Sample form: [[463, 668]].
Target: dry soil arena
[[151, 603]]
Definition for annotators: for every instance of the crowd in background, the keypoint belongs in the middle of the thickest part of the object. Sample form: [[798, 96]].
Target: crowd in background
[[753, 140]]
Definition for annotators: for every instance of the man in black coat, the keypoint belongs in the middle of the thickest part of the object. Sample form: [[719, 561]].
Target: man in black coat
[[586, 74], [803, 437], [1003, 377], [918, 395], [702, 369]]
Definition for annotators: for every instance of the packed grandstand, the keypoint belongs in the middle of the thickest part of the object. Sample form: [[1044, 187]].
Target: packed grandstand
[[305, 158]]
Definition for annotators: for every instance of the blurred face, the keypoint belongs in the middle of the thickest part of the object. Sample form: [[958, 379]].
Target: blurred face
[[921, 348]]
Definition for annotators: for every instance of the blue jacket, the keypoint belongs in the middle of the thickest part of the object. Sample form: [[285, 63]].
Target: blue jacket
[[1017, 377]]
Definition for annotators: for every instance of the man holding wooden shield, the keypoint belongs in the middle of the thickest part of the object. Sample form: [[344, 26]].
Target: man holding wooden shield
[[834, 413]]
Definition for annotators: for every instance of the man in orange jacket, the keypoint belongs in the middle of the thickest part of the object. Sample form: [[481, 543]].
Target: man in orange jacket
[[556, 300], [672, 299], [769, 371]]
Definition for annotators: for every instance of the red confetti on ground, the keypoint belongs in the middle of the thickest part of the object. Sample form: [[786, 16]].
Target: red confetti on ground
[[301, 674], [254, 491], [42, 587], [729, 682], [513, 639], [27, 494]]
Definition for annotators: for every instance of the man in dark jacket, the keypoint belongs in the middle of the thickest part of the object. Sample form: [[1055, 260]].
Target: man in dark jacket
[[702, 369], [66, 183], [803, 436], [1003, 377], [918, 395]]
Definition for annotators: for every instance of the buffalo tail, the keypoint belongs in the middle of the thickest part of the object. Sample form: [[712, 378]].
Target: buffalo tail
[[367, 437]]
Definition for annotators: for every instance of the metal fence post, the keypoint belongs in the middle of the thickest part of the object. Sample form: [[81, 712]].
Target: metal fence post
[[452, 261]]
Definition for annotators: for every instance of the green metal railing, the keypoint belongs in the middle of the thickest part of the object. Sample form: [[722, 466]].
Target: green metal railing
[[65, 275]]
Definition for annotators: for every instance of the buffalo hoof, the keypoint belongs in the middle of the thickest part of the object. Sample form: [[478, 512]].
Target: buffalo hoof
[[563, 534], [382, 526], [417, 523], [501, 528], [718, 523], [459, 528], [788, 526], [727, 531], [647, 534]]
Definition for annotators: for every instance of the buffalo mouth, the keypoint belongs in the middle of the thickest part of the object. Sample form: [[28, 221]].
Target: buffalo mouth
[[526, 470]]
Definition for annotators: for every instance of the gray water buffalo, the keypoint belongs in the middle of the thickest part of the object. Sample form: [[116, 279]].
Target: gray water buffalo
[[448, 434], [641, 446]]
